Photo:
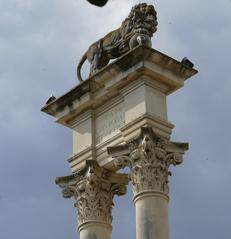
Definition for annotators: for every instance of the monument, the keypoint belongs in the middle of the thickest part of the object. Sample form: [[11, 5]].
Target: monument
[[118, 116]]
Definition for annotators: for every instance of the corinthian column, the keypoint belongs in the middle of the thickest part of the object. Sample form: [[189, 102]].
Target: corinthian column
[[149, 158], [93, 190]]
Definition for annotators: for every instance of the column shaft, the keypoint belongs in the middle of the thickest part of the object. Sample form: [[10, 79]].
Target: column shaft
[[95, 230], [151, 216]]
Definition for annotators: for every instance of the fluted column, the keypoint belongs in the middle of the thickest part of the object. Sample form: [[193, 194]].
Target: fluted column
[[93, 189], [149, 158]]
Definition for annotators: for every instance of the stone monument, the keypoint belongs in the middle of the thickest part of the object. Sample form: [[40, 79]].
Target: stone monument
[[118, 116]]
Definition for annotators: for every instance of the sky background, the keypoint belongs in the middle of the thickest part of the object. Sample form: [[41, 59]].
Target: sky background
[[40, 45]]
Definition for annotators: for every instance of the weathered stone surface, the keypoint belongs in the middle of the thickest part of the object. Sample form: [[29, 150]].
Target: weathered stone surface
[[113, 115], [104, 85], [136, 29], [93, 189], [110, 107], [149, 157]]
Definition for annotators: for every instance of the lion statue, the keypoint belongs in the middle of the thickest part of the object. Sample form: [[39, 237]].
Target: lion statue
[[136, 29]]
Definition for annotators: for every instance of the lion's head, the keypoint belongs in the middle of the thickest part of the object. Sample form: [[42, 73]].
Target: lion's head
[[143, 18]]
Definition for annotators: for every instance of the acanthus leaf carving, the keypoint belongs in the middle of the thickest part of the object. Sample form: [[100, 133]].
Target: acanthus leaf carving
[[149, 161], [93, 192]]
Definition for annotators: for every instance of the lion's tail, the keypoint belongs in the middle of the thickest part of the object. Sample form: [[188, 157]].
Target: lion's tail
[[83, 59]]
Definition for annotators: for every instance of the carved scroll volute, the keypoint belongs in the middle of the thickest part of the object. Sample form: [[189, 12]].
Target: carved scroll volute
[[69, 192], [149, 159], [123, 161]]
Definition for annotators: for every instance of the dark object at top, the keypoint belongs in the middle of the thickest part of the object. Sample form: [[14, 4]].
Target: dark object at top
[[186, 62], [99, 3], [51, 99]]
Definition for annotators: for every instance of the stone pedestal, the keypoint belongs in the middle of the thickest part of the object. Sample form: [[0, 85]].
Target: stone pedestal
[[119, 118], [110, 107]]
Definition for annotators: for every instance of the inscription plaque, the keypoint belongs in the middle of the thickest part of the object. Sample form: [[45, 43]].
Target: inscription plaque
[[109, 122]]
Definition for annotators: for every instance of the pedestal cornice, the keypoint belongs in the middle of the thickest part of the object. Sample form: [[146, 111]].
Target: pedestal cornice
[[107, 83]]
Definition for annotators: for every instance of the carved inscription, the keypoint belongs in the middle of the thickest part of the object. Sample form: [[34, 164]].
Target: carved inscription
[[108, 123]]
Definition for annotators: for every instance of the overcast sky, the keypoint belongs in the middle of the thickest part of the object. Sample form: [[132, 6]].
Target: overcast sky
[[40, 45]]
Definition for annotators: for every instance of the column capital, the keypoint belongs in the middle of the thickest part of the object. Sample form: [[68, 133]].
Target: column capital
[[149, 157], [93, 189]]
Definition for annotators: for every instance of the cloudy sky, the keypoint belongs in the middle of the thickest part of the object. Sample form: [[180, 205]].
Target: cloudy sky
[[40, 45]]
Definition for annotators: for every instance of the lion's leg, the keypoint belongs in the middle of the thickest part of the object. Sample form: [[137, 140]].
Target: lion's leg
[[94, 56], [94, 63], [103, 61], [99, 61], [140, 39]]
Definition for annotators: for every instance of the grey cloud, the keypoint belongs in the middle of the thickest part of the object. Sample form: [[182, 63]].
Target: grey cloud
[[40, 46]]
